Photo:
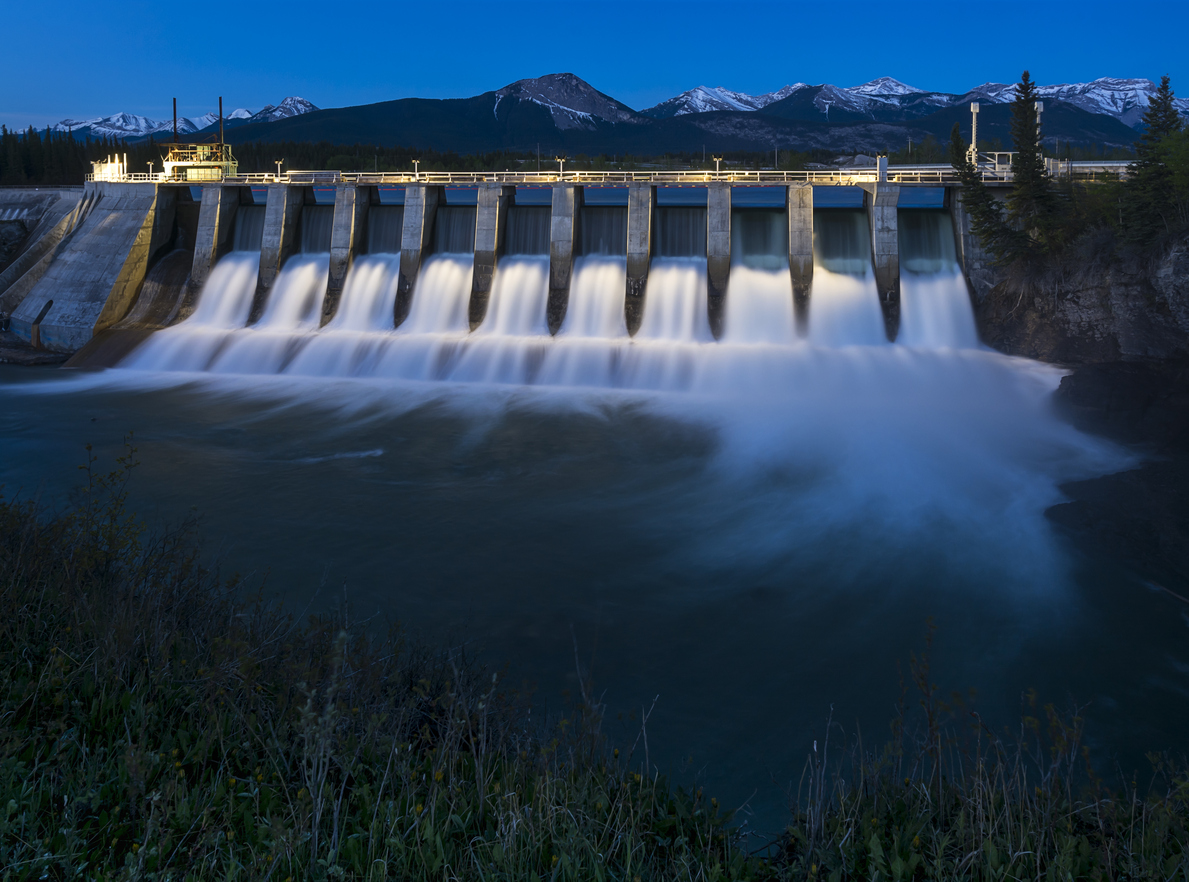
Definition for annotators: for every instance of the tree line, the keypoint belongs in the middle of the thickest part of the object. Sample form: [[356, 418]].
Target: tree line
[[1145, 209]]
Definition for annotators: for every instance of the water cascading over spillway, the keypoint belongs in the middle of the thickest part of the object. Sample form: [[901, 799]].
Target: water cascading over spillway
[[427, 342], [504, 348], [935, 309], [365, 311], [223, 305], [317, 221], [760, 302], [673, 348], [385, 229], [844, 302], [291, 315], [249, 228]]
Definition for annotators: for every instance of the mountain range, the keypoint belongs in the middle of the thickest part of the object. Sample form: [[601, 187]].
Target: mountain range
[[127, 126], [561, 112]]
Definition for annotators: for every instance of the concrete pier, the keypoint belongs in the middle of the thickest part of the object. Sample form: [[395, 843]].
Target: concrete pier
[[885, 251], [563, 228], [348, 230], [718, 254], [216, 217], [281, 214], [800, 207], [421, 207], [491, 212], [640, 202], [96, 271]]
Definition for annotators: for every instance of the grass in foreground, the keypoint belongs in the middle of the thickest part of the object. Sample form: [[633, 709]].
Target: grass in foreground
[[154, 726]]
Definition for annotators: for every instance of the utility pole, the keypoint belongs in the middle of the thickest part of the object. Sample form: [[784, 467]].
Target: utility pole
[[973, 151]]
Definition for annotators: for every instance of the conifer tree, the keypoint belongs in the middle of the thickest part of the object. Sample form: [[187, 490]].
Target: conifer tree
[[1030, 203], [1149, 208], [986, 215]]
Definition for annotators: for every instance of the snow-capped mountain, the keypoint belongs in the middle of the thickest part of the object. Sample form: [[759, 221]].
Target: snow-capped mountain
[[704, 99], [127, 126], [291, 106], [572, 102], [1124, 99], [886, 88]]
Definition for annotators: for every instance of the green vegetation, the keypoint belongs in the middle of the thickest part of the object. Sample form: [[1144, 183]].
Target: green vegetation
[[1043, 217], [155, 725]]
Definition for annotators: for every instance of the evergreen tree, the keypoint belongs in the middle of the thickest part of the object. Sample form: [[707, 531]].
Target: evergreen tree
[[986, 215], [1030, 204], [1150, 205]]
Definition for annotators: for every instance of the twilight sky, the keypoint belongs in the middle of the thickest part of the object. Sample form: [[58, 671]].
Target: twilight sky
[[81, 58]]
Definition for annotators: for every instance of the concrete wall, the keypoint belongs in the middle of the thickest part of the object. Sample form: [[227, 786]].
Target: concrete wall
[[490, 215], [216, 217], [885, 251], [801, 250], [718, 253], [641, 198], [36, 254], [282, 212], [563, 227], [96, 272], [349, 231], [421, 207]]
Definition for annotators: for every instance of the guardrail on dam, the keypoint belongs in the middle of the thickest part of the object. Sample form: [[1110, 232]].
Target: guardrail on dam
[[130, 256]]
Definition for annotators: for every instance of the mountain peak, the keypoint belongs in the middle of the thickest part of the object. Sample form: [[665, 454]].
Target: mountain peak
[[885, 86], [572, 102]]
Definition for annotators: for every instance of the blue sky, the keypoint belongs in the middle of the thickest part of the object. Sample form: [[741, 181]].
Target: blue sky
[[81, 58]]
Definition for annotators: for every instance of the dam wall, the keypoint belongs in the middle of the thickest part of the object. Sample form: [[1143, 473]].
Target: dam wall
[[97, 270], [89, 264]]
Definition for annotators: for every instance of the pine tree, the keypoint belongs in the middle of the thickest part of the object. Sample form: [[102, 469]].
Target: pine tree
[[986, 215], [1149, 207], [1030, 206]]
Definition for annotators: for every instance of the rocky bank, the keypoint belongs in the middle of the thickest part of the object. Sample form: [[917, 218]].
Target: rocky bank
[[1123, 329]]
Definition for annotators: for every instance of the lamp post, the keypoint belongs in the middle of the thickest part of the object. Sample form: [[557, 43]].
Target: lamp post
[[416, 169], [150, 165], [717, 160], [561, 170], [278, 162]]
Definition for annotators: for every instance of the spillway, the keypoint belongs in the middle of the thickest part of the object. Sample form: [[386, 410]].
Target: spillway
[[935, 309], [443, 338], [844, 303], [760, 305]]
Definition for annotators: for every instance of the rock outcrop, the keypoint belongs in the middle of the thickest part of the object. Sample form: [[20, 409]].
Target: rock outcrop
[[1087, 309]]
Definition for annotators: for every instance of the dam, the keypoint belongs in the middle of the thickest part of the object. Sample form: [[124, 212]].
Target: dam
[[499, 277]]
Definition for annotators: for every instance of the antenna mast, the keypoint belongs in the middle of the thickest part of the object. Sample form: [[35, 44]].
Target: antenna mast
[[175, 120]]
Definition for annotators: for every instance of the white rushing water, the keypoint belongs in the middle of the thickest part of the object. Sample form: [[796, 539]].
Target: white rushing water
[[673, 349], [596, 304], [365, 311], [844, 309], [935, 311], [675, 301], [291, 315], [760, 306], [223, 306]]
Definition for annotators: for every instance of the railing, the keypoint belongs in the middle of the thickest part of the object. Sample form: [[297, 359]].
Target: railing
[[906, 174]]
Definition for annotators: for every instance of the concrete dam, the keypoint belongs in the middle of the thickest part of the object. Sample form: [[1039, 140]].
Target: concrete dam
[[605, 280]]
